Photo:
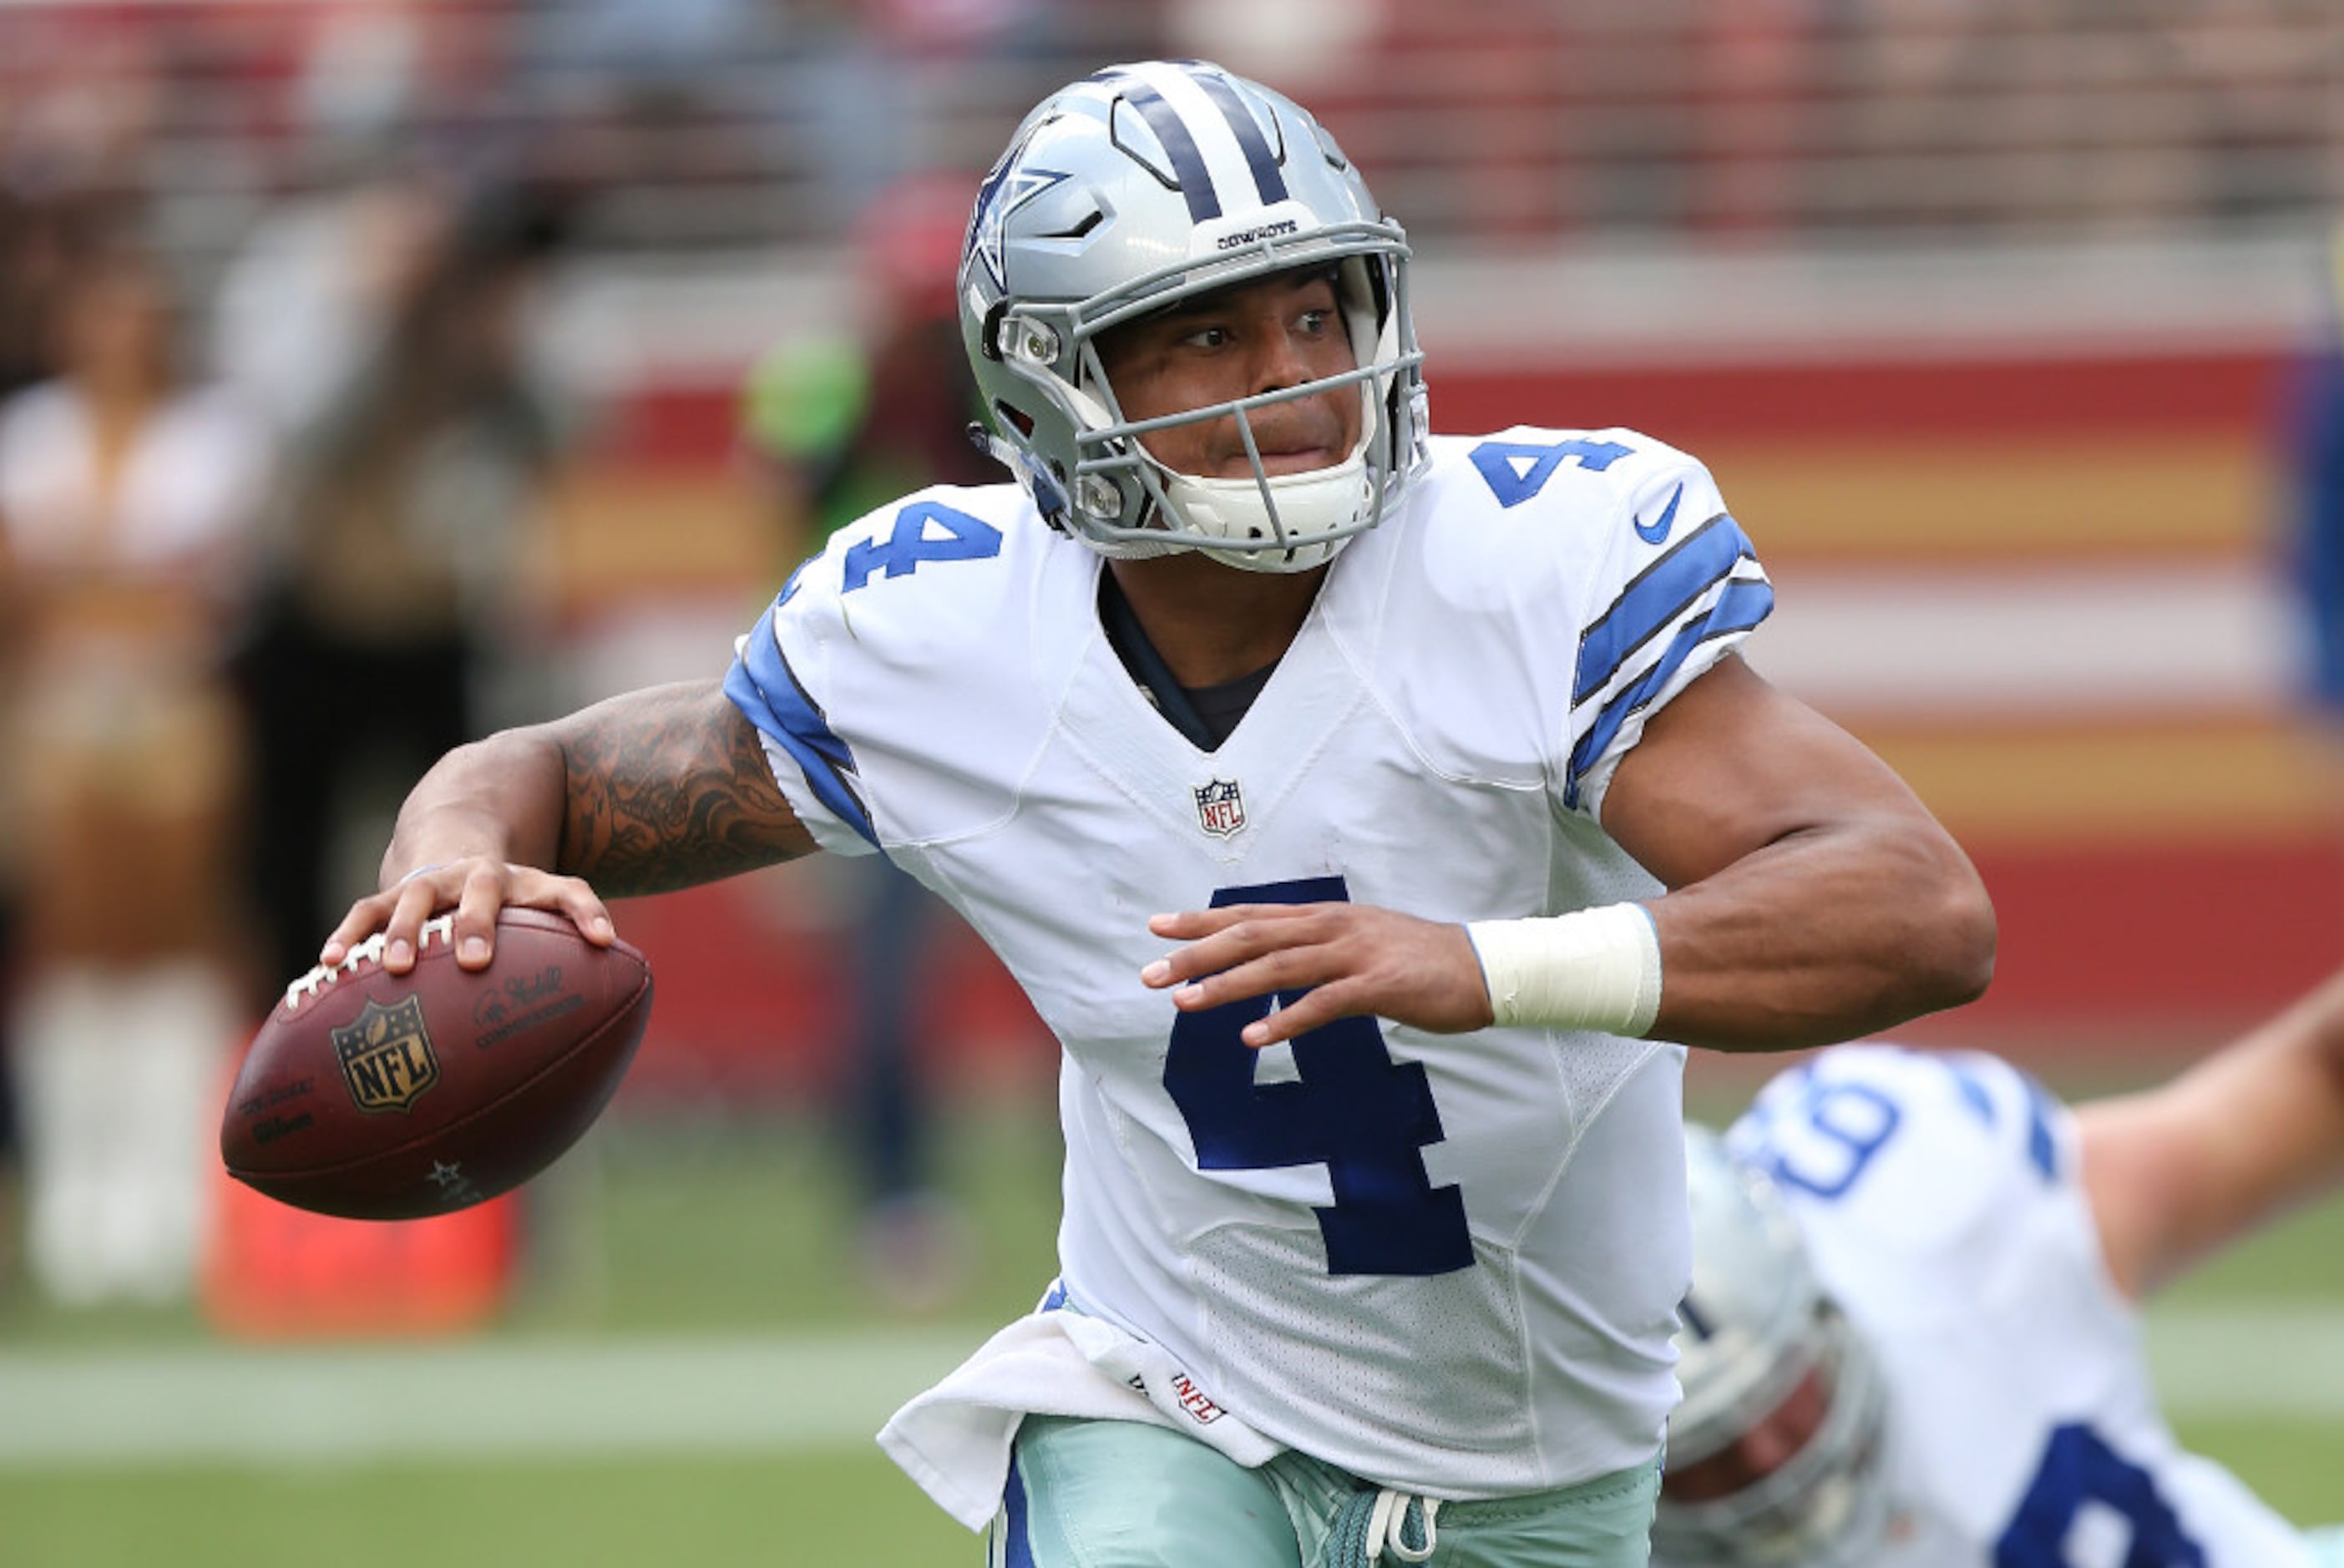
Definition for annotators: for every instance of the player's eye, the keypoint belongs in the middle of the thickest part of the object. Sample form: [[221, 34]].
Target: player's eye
[[1213, 337]]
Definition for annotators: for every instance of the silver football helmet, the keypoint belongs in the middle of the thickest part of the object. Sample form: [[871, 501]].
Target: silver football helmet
[[1757, 1325], [1127, 193]]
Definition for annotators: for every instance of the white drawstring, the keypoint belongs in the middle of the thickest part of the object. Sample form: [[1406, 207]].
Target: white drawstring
[[1387, 1523]]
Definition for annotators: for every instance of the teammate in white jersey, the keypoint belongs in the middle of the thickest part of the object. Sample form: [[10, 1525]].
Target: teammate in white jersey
[[1912, 1340], [1222, 726]]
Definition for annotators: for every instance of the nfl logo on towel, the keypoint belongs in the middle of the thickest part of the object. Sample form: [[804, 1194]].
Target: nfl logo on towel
[[1220, 809]]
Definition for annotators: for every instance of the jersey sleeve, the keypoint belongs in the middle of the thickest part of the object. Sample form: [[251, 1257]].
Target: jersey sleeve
[[777, 668], [892, 680], [1677, 586]]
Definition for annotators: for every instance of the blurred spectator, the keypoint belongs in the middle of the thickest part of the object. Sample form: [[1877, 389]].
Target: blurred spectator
[[127, 501], [314, 293], [32, 272], [73, 110], [388, 330], [839, 426]]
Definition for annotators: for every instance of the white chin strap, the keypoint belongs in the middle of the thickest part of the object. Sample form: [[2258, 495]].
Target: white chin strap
[[1310, 506]]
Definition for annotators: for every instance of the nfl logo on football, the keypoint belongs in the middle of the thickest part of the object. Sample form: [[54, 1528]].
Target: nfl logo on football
[[1220, 809], [386, 1056]]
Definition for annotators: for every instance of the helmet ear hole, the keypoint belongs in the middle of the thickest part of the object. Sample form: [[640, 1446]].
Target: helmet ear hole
[[988, 334]]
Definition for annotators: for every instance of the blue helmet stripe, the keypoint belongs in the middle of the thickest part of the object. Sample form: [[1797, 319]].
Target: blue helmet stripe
[[1267, 180], [1179, 146]]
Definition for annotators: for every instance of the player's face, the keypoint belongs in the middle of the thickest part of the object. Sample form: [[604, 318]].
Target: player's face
[[1261, 336], [1771, 1442]]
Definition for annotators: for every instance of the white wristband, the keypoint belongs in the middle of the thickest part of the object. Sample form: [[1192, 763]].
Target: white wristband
[[1590, 969]]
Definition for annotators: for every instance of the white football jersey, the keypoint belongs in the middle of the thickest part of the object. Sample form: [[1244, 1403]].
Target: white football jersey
[[1940, 1198], [1444, 1263]]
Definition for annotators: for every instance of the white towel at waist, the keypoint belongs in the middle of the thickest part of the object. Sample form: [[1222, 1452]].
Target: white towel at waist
[[953, 1440]]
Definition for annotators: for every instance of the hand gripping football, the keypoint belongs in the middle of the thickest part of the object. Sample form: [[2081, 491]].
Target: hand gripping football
[[377, 1096]]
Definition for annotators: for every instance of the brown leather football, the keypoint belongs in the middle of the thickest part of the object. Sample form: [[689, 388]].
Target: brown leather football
[[393, 1097]]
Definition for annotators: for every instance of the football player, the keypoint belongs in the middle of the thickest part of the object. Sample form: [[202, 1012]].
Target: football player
[[1913, 1337], [1373, 816]]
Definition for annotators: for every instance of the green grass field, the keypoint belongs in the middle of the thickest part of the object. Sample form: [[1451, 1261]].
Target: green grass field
[[675, 1268]]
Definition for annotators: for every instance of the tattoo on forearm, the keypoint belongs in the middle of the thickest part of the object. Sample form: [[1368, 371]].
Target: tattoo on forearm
[[667, 789]]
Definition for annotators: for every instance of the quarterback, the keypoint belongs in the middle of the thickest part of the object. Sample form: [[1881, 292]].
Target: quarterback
[[1912, 1339], [1374, 816]]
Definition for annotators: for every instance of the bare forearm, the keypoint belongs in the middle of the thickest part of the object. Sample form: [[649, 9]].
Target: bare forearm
[[497, 799], [1824, 935], [666, 788], [646, 793]]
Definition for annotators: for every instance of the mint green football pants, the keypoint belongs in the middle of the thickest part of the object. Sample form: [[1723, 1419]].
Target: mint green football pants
[[1124, 1494]]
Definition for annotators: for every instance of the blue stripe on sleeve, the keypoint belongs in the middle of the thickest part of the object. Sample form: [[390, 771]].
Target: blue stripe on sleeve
[[762, 684], [1657, 596], [1742, 606]]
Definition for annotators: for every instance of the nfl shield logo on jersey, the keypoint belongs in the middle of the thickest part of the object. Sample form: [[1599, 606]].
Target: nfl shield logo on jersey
[[1220, 808]]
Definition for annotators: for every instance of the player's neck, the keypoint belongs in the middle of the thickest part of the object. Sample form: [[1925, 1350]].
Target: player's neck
[[1211, 622]]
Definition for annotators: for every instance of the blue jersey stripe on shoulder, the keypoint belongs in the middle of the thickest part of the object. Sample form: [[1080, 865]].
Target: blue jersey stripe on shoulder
[[1657, 596], [762, 684], [1741, 607]]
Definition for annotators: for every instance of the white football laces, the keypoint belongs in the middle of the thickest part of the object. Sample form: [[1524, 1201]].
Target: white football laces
[[316, 981]]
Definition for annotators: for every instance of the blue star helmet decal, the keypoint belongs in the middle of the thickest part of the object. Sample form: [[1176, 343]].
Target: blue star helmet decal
[[1006, 190]]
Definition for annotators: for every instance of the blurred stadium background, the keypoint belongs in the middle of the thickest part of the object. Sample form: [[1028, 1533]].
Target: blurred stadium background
[[2002, 323]]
